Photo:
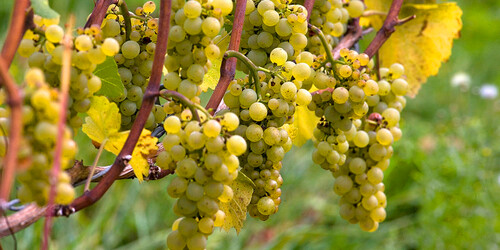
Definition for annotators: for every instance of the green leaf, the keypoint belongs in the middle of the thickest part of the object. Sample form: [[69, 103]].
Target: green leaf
[[42, 8], [112, 85], [236, 209]]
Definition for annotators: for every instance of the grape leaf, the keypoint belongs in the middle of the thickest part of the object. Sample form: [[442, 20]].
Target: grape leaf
[[103, 123], [112, 85], [422, 44], [42, 8], [304, 121], [236, 209], [376, 21], [212, 77]]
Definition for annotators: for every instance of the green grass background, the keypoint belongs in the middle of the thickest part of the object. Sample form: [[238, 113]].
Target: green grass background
[[443, 183]]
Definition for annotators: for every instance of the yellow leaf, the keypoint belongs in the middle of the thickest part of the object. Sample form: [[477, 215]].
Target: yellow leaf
[[103, 119], [103, 122], [211, 78], [236, 209], [144, 149], [304, 121], [383, 6], [422, 44]]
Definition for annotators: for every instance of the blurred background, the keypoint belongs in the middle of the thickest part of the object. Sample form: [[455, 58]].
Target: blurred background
[[443, 183]]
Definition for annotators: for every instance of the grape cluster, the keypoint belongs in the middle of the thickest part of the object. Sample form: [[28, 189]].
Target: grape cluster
[[43, 48], [359, 122], [134, 57], [191, 45], [264, 123], [273, 26], [204, 157], [40, 113]]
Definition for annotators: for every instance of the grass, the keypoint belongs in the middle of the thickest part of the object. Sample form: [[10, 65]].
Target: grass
[[442, 185]]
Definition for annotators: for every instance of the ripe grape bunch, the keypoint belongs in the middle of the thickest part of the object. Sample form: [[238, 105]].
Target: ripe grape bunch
[[40, 113], [204, 157], [286, 67], [359, 123]]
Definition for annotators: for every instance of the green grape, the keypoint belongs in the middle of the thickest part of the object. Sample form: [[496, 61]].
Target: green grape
[[176, 241], [65, 194], [177, 33], [278, 56], [128, 107], [355, 8], [197, 241], [195, 73], [211, 26], [110, 47], [247, 97], [258, 111], [270, 18], [148, 7], [83, 43], [265, 39], [384, 88], [213, 189], [192, 9], [192, 26], [384, 137], [266, 206], [236, 145], [226, 6], [375, 175], [206, 225], [377, 152], [26, 48], [399, 87], [298, 41], [378, 214], [397, 70], [301, 71], [357, 165], [265, 6], [391, 116], [254, 133], [130, 49], [369, 202], [340, 95], [343, 184], [283, 28], [54, 33], [194, 191], [172, 81], [230, 121], [227, 194], [212, 51], [288, 90], [211, 128]]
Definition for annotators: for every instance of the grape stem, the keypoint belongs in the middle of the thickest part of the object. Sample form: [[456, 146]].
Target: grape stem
[[272, 73], [133, 15], [150, 95], [228, 66], [165, 93], [391, 21], [92, 170], [61, 125], [326, 46], [126, 18], [99, 12], [250, 65]]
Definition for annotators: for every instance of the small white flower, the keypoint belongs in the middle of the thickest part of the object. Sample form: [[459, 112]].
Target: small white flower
[[488, 91], [461, 80]]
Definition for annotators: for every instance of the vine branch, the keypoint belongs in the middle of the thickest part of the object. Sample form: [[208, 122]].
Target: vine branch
[[309, 6], [99, 12], [391, 21], [228, 66], [19, 22], [149, 98]]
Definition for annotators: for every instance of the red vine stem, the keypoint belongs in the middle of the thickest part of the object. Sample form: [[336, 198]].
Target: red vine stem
[[99, 12], [9, 49], [18, 23], [16, 126], [149, 98], [309, 6], [391, 21], [54, 173], [228, 66]]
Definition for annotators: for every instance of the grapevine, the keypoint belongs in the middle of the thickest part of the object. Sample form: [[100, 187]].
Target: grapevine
[[292, 55]]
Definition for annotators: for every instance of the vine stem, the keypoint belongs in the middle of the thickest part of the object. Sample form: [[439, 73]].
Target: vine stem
[[99, 12], [61, 125], [18, 24], [89, 179], [391, 21], [126, 18], [326, 45], [309, 6], [152, 90], [186, 102], [228, 66], [251, 66]]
